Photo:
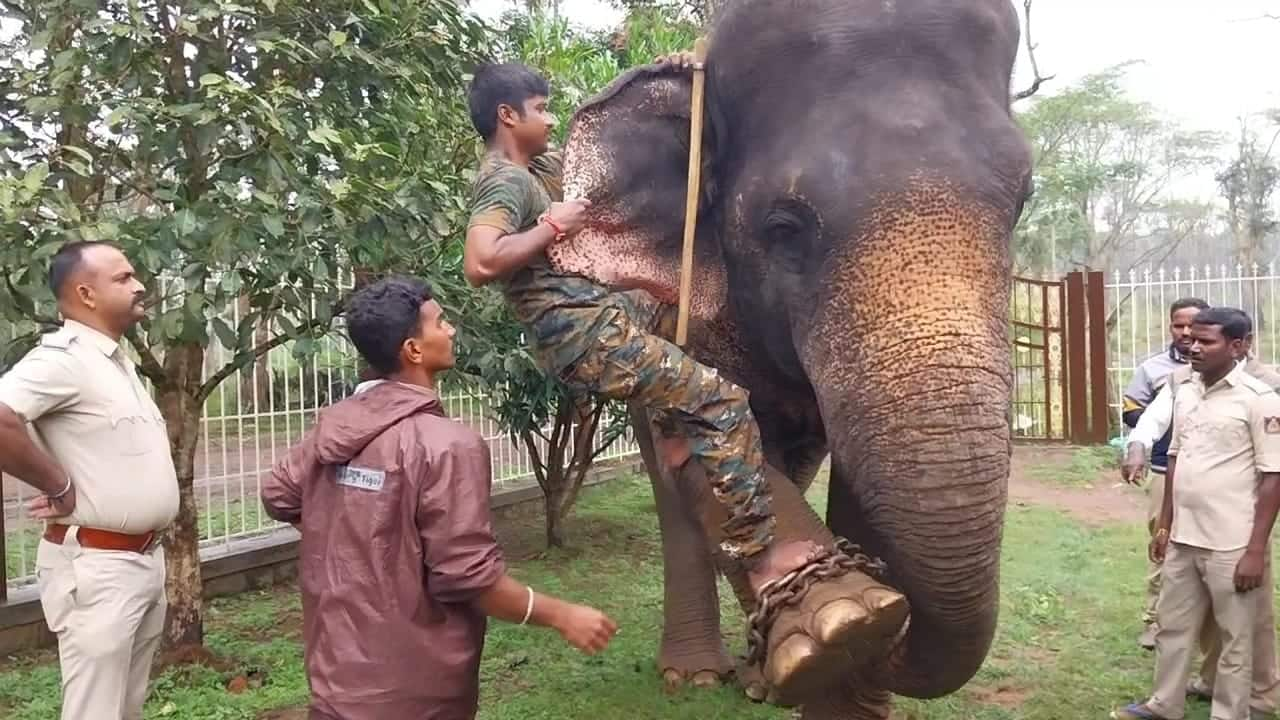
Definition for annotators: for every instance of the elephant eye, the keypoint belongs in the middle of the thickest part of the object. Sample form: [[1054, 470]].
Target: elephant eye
[[788, 220], [780, 221]]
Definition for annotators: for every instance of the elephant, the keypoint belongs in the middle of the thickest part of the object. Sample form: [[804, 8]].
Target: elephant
[[862, 177]]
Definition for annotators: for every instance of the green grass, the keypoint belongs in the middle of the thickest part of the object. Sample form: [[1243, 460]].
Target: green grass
[[1071, 598], [1082, 470]]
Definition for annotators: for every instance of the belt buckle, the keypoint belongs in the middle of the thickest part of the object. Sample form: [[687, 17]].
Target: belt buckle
[[150, 543]]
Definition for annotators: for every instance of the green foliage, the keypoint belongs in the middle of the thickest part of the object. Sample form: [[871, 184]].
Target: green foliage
[[1247, 184], [242, 154], [1102, 164], [248, 149]]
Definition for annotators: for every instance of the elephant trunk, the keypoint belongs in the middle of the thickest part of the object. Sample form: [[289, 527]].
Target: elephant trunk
[[925, 490], [939, 533], [912, 371]]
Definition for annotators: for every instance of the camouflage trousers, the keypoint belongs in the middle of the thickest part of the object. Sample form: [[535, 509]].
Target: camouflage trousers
[[616, 354]]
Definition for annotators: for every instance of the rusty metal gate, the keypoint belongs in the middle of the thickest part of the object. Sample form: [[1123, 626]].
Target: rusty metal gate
[[1058, 341]]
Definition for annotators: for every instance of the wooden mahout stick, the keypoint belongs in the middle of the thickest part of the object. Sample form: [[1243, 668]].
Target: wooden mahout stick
[[691, 198]]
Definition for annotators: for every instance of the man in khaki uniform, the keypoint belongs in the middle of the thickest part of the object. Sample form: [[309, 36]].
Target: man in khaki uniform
[[1265, 695], [100, 456], [1221, 498]]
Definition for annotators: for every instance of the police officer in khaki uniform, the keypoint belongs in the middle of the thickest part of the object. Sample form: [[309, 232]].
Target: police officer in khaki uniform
[[99, 454], [1220, 503], [1156, 421]]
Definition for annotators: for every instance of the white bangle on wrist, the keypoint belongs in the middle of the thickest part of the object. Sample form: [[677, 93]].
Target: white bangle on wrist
[[528, 611], [64, 492]]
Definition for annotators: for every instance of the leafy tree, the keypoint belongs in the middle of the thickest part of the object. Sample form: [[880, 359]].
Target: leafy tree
[[246, 151], [1103, 165], [1247, 184]]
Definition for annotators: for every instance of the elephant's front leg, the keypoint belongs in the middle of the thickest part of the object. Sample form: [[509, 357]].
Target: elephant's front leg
[[692, 651], [832, 619], [859, 698]]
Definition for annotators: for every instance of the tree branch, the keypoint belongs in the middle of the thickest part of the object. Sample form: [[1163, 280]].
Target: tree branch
[[539, 473], [242, 359], [30, 312], [149, 365], [1031, 54]]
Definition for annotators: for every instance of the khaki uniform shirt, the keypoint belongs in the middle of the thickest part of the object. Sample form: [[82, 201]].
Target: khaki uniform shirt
[[1223, 437], [90, 411]]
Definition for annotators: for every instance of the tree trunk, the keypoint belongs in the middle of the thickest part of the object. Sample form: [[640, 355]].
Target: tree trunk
[[179, 403], [557, 509], [567, 469]]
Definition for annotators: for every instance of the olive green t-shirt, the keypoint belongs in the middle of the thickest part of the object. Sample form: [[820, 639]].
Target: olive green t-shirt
[[562, 310]]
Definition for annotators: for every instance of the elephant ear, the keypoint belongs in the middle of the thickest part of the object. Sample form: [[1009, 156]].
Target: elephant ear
[[628, 153]]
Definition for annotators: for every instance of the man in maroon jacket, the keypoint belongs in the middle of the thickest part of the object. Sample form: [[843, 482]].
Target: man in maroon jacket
[[399, 567]]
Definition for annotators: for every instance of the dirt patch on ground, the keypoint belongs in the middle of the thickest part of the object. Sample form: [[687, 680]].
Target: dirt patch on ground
[[191, 655], [1008, 697], [1104, 500]]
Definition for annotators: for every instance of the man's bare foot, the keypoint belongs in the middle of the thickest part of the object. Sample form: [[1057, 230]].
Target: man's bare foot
[[779, 559]]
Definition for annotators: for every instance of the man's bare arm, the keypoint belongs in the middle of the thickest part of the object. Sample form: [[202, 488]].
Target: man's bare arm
[[489, 255], [23, 459], [1164, 522], [1264, 511], [583, 627], [1249, 570]]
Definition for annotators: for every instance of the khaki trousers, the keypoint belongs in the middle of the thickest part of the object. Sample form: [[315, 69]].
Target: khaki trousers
[[107, 609], [1155, 496], [1265, 692], [1197, 582]]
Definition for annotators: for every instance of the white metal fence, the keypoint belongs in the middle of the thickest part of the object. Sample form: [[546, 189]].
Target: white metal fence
[[253, 417], [1138, 311], [251, 420]]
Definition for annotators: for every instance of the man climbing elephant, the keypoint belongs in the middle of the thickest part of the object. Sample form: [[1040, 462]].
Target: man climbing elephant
[[605, 343]]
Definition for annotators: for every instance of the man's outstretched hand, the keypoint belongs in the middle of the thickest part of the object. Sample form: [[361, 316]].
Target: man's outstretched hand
[[585, 628], [1134, 465]]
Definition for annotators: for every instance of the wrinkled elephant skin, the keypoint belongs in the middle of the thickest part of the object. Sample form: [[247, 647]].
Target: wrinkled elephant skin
[[862, 177]]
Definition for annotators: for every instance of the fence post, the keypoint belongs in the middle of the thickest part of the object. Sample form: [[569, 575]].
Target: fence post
[[4, 555], [1099, 416], [1077, 394]]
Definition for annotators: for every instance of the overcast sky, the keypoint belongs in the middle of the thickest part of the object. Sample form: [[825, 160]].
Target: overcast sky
[[1204, 63]]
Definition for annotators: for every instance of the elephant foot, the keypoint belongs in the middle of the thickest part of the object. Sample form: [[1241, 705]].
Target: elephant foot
[[702, 670], [829, 621], [751, 679], [674, 680], [849, 703]]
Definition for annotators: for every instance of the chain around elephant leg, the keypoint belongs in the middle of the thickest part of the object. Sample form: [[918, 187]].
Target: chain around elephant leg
[[815, 627]]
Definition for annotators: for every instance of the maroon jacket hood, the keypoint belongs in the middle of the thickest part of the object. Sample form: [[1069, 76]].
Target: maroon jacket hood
[[347, 427]]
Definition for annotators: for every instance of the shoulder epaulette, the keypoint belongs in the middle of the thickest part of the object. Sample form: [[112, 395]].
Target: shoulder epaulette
[[60, 339], [1263, 372], [1256, 384]]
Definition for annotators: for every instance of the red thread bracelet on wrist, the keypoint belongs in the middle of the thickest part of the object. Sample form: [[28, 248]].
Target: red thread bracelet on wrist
[[547, 219]]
